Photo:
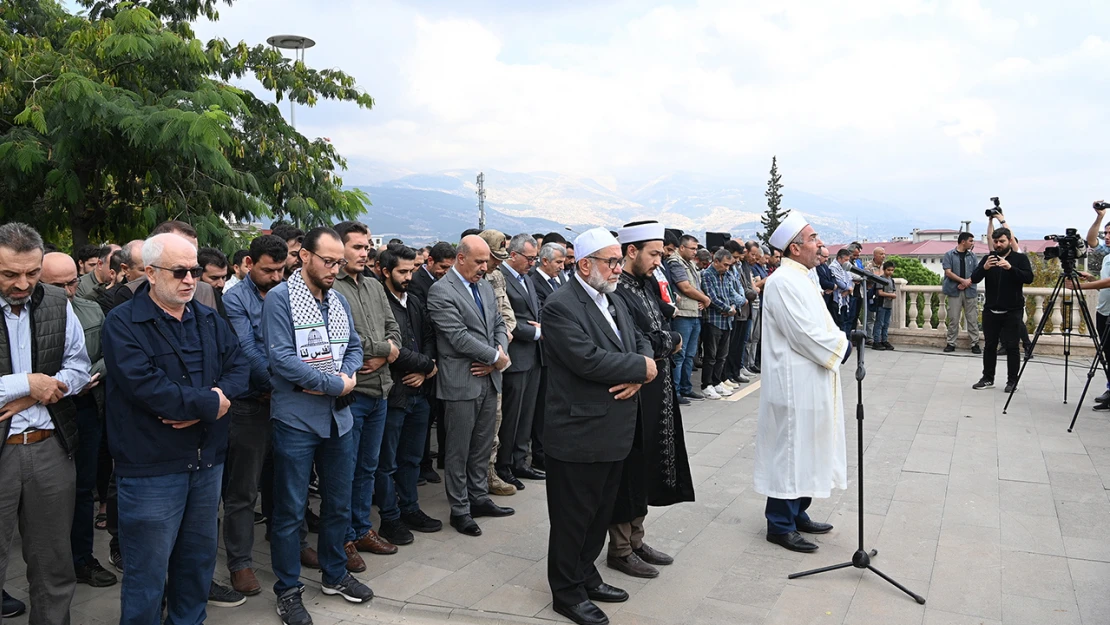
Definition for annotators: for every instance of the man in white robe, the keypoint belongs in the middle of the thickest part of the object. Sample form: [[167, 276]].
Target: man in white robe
[[800, 444]]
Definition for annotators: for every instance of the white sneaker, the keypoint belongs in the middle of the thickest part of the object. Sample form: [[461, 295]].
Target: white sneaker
[[747, 374], [723, 390], [730, 385], [710, 393]]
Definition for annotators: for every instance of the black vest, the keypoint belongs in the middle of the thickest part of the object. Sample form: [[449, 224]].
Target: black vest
[[48, 338]]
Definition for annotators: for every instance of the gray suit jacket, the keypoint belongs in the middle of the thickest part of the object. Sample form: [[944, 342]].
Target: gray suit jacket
[[582, 421], [524, 351], [463, 337]]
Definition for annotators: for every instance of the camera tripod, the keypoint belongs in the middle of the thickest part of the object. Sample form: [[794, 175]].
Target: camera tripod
[[1068, 273], [861, 559]]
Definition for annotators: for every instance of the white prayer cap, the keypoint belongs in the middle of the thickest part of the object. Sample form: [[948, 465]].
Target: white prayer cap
[[787, 230], [593, 240], [635, 233]]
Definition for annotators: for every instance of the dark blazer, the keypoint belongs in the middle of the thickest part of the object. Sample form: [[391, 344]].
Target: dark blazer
[[543, 287], [463, 337], [420, 283], [148, 379], [582, 422], [524, 350], [417, 349]]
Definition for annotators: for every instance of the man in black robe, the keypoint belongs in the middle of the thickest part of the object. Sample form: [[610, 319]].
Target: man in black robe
[[657, 471]]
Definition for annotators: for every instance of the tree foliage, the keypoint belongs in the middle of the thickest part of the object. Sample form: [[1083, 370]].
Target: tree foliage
[[774, 214], [912, 271], [118, 119]]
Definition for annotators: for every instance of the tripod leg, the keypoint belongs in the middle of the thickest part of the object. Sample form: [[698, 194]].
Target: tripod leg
[[823, 569], [1098, 361], [1037, 335], [916, 597]]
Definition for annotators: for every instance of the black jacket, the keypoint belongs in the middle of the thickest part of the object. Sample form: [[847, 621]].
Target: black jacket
[[420, 283], [1004, 286], [417, 349], [524, 351], [543, 287]]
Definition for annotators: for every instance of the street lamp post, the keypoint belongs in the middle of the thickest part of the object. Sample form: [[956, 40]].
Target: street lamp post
[[298, 44]]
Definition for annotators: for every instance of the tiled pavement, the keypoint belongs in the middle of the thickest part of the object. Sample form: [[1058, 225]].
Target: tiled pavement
[[995, 518]]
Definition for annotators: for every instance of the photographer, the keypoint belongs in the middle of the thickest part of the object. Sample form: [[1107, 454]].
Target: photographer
[[1005, 272], [1102, 313], [1015, 245]]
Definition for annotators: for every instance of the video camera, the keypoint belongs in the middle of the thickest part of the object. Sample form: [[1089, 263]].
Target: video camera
[[1069, 248]]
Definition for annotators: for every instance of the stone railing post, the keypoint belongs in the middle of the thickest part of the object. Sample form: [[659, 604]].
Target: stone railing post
[[899, 312]]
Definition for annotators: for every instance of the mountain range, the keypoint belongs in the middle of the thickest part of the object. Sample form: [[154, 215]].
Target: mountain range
[[422, 208]]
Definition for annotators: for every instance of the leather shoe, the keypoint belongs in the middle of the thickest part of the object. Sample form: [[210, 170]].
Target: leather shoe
[[507, 476], [813, 527], [245, 582], [488, 508], [465, 524], [529, 473], [375, 544], [607, 594], [355, 563], [792, 541], [632, 565], [585, 613], [1102, 399], [651, 556], [309, 558]]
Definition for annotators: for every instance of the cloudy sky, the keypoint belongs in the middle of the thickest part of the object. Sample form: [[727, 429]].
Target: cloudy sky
[[933, 106]]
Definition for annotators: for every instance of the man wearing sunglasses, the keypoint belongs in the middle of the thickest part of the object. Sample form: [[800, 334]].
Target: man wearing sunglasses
[[59, 270], [173, 367], [203, 293]]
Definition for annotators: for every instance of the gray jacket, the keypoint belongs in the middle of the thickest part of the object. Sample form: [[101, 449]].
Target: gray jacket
[[951, 261], [463, 337]]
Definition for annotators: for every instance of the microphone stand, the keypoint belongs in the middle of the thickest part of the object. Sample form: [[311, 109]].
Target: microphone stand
[[861, 559]]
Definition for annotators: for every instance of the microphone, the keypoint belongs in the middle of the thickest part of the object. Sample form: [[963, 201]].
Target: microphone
[[867, 275]]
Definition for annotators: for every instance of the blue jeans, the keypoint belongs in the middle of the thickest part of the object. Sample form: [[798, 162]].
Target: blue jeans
[[882, 324], [167, 526], [399, 464], [85, 458], [690, 329], [783, 514], [294, 452], [369, 425]]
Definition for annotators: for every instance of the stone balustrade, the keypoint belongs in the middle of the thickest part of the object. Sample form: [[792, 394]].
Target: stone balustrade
[[920, 317]]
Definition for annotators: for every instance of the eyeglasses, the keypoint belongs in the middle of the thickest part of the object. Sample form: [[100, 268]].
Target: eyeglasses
[[530, 259], [329, 263], [612, 262], [179, 273], [63, 285]]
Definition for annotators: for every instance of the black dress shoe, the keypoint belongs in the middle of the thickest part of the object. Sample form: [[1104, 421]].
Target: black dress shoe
[[529, 473], [813, 527], [465, 524], [539, 464], [1102, 399], [507, 476], [585, 613], [430, 475], [653, 556], [792, 541], [607, 594], [488, 508]]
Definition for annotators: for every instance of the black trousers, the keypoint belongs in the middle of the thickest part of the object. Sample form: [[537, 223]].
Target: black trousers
[[716, 353], [518, 407], [1006, 326], [580, 499], [537, 422], [1101, 323]]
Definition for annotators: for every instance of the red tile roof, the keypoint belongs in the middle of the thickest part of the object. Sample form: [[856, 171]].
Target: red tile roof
[[935, 248]]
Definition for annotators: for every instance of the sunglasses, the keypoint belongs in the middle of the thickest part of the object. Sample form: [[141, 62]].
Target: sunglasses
[[180, 273]]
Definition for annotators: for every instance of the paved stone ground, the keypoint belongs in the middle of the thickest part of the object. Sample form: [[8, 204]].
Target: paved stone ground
[[995, 518]]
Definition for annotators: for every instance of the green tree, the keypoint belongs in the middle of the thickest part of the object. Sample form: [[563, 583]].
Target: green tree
[[774, 214], [912, 271], [118, 119]]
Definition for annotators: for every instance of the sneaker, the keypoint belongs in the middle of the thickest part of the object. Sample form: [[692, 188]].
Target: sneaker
[[395, 532], [224, 597], [741, 379], [420, 522], [115, 557], [314, 484], [727, 384], [682, 401], [12, 606], [887, 346], [722, 390], [259, 518], [1101, 407], [710, 393], [983, 383], [948, 349], [1011, 387], [94, 575], [747, 373], [291, 609], [877, 347], [976, 350], [429, 475], [350, 589], [694, 396]]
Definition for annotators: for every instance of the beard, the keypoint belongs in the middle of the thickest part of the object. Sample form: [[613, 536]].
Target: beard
[[316, 281], [15, 301], [400, 287], [601, 285]]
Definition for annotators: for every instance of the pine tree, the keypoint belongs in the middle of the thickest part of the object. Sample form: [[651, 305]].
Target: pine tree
[[117, 118], [774, 214]]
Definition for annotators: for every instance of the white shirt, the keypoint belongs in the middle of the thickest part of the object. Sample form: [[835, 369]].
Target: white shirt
[[800, 437], [232, 281], [602, 301], [74, 372]]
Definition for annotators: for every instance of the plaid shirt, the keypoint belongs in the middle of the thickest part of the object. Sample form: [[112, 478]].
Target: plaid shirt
[[721, 291]]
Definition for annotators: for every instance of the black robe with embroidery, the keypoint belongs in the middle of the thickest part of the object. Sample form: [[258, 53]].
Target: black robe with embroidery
[[657, 471]]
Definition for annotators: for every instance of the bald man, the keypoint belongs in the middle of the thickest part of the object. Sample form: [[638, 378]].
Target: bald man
[[473, 344], [60, 270]]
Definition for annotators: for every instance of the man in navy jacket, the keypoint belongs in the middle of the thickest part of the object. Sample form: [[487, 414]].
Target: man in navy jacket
[[173, 365]]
